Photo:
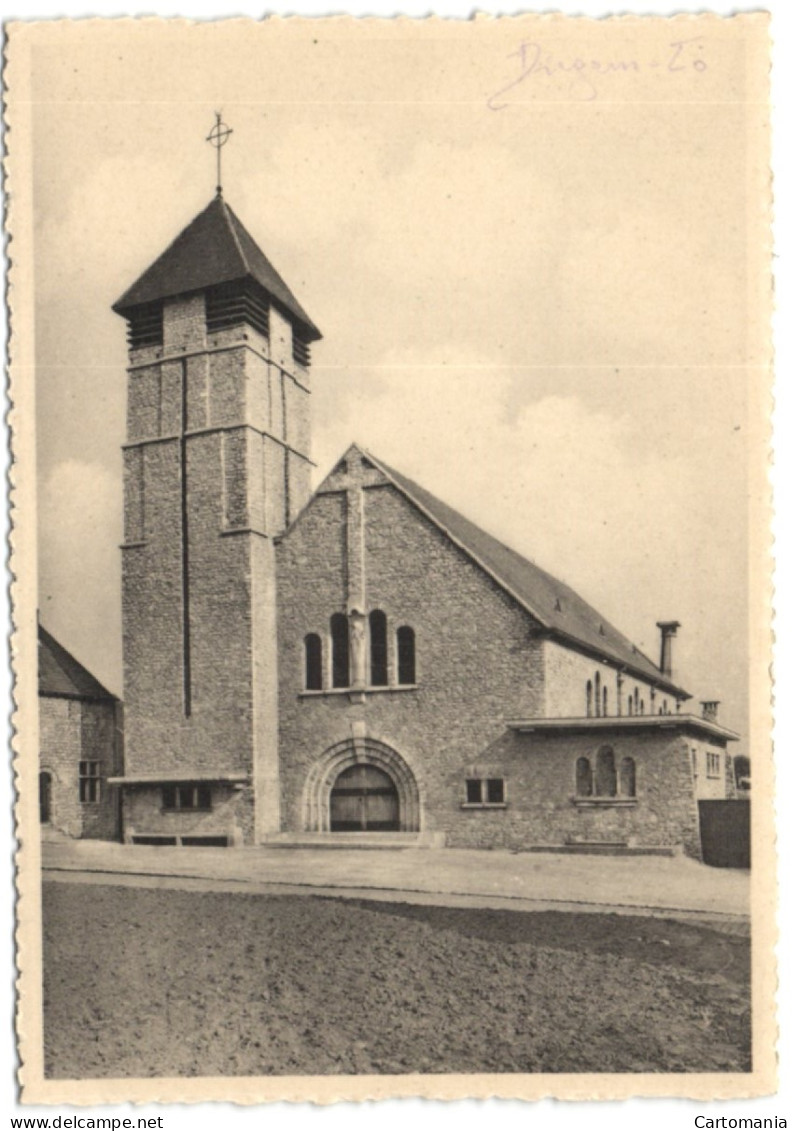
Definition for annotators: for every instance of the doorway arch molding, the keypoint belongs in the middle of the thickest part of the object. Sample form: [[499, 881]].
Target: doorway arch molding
[[351, 752]]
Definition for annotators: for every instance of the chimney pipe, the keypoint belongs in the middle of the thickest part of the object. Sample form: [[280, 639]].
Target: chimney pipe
[[668, 629], [709, 709]]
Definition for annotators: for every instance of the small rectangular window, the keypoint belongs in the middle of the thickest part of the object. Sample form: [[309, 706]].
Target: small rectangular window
[[89, 782], [474, 791], [485, 791], [186, 796], [495, 791]]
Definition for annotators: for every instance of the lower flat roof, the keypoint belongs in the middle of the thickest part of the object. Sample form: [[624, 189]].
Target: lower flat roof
[[693, 723]]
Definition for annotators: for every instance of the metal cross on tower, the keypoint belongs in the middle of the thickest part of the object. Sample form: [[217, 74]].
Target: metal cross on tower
[[218, 137]]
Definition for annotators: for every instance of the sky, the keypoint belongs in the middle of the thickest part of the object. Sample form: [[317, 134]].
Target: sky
[[543, 305]]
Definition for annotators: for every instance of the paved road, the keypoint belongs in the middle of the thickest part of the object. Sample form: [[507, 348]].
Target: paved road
[[456, 877]]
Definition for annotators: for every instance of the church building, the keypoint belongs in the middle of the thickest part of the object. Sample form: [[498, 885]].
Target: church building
[[360, 661]]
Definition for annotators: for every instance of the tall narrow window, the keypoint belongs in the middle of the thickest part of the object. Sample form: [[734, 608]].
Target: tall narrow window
[[584, 778], [606, 783], [630, 705], [589, 698], [339, 634], [604, 701], [474, 791], [628, 777], [89, 781], [406, 654], [378, 632], [313, 662], [597, 687]]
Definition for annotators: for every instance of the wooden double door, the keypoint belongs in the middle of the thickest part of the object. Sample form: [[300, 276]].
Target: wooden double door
[[364, 799]]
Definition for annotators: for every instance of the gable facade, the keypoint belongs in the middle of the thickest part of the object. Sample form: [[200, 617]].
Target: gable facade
[[360, 545]]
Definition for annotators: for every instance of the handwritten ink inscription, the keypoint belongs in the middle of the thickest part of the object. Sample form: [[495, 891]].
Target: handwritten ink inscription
[[585, 71]]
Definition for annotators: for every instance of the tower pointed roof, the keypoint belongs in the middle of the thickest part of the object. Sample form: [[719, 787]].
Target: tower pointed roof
[[214, 248]]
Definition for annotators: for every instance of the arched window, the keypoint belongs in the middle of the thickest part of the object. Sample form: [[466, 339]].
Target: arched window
[[597, 688], [312, 662], [630, 705], [378, 631], [606, 782], [589, 698], [604, 701], [584, 778], [339, 634], [637, 702], [628, 777], [406, 654]]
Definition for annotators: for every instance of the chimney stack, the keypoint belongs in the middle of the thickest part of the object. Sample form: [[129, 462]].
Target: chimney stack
[[709, 709], [668, 629]]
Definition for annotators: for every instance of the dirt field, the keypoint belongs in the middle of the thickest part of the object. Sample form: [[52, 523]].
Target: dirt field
[[151, 983]]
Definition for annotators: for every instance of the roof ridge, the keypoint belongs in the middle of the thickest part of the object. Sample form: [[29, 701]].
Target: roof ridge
[[394, 475], [228, 217], [610, 642], [80, 682]]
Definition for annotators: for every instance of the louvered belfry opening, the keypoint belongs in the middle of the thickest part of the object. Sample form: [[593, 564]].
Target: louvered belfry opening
[[145, 325], [236, 304], [301, 346]]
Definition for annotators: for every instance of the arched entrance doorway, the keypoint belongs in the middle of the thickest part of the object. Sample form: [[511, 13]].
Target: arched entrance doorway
[[45, 797], [361, 784], [364, 798]]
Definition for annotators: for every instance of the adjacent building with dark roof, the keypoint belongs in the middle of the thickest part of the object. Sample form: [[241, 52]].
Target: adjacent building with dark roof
[[80, 746], [360, 660]]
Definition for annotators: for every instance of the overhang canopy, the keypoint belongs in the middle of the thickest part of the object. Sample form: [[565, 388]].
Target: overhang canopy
[[687, 723], [168, 777]]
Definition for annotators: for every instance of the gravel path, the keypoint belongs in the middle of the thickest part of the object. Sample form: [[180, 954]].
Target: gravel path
[[145, 983]]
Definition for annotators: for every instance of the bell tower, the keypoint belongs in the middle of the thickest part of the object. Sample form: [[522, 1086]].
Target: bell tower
[[216, 464]]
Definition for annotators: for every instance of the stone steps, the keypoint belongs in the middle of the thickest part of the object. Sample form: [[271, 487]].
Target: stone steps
[[356, 840], [607, 848]]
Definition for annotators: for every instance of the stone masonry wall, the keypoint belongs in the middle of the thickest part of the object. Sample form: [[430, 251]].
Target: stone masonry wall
[[540, 781], [72, 731], [478, 658], [480, 662], [243, 401], [711, 784], [567, 674], [230, 814]]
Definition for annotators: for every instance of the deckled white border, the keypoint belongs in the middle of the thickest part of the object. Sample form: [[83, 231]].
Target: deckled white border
[[634, 1113]]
